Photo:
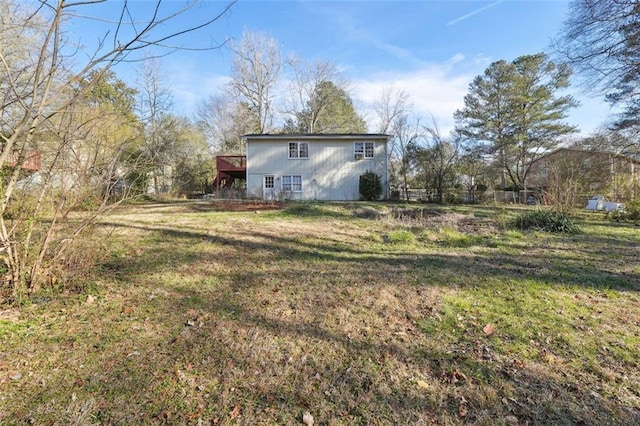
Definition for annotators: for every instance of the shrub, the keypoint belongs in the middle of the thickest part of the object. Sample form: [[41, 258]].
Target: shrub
[[370, 186], [546, 220]]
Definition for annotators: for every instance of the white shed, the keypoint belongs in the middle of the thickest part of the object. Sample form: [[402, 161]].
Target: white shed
[[313, 166]]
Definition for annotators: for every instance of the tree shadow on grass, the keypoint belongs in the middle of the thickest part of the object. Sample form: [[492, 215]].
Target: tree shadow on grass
[[584, 268], [284, 333], [273, 338], [340, 376], [215, 353]]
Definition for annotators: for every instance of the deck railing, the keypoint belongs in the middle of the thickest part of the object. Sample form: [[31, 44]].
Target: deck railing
[[231, 162]]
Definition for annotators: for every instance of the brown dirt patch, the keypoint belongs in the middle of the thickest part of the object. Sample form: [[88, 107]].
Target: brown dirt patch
[[437, 219]]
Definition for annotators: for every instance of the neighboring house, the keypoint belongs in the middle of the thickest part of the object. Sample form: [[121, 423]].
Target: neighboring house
[[313, 166], [615, 176], [31, 161]]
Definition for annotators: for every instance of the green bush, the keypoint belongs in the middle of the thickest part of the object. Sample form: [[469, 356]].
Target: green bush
[[370, 186], [546, 220]]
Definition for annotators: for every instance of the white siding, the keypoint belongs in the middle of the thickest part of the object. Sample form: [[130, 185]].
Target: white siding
[[330, 173]]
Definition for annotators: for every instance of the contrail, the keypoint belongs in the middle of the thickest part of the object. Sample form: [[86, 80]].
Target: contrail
[[475, 12]]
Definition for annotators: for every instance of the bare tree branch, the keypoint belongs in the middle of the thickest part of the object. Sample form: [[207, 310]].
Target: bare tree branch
[[51, 102]]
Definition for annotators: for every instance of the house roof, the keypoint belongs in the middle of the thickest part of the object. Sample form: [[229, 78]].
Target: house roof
[[585, 151], [332, 136]]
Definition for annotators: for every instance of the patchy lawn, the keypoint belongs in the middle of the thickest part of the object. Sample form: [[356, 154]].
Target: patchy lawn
[[351, 312]]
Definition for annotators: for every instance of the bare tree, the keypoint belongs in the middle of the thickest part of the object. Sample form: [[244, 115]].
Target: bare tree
[[44, 108], [564, 181], [390, 105], [256, 66], [600, 41], [392, 108], [223, 121], [433, 159], [476, 168], [155, 100], [304, 105], [406, 131], [441, 158]]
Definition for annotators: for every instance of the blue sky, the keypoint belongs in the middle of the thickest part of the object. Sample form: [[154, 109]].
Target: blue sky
[[431, 49]]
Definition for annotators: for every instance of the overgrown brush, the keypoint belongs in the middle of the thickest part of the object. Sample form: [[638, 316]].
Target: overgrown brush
[[547, 221], [302, 209], [630, 213]]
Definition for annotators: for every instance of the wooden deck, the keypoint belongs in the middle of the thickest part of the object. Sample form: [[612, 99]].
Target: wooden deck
[[32, 161], [228, 169]]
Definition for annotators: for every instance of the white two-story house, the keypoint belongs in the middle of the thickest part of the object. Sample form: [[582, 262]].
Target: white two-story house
[[313, 166]]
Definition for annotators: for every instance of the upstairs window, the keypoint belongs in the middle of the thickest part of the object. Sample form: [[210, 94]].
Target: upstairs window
[[363, 150], [298, 149]]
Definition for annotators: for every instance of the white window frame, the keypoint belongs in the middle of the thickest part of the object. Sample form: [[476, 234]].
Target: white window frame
[[364, 150], [297, 149], [289, 184]]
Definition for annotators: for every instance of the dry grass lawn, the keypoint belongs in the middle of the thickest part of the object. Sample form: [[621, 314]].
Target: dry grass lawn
[[357, 316]]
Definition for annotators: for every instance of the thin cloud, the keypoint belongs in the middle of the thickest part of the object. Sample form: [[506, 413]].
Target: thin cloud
[[398, 52], [349, 24], [435, 91], [473, 13]]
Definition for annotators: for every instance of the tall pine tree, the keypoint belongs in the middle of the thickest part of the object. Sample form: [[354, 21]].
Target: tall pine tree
[[514, 113]]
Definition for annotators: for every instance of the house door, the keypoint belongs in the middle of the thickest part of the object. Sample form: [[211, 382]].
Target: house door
[[268, 187]]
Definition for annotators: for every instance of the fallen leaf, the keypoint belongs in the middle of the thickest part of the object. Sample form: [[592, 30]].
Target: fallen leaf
[[90, 300], [458, 376], [511, 420], [235, 412], [489, 330], [462, 410]]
